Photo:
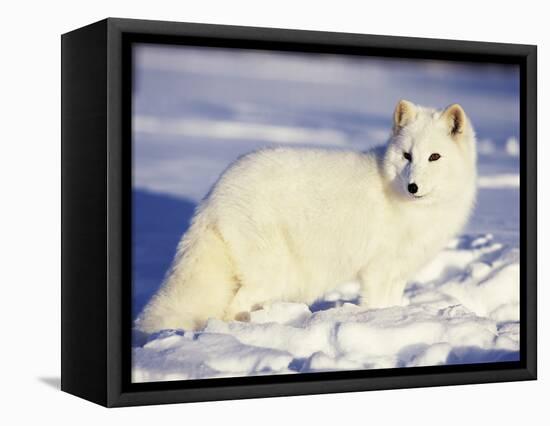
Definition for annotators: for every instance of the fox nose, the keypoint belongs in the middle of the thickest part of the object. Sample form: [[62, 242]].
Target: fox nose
[[413, 188]]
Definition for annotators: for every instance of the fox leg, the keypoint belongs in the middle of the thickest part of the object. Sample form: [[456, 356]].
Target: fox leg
[[380, 288], [246, 300]]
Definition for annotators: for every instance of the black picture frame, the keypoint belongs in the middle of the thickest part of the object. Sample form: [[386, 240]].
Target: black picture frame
[[96, 212]]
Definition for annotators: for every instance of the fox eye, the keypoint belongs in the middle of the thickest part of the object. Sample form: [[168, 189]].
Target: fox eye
[[434, 157], [407, 156]]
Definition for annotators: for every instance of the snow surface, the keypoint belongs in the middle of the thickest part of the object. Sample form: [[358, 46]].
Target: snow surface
[[462, 308]]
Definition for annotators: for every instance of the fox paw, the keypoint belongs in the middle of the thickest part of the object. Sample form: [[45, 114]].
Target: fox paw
[[243, 317]]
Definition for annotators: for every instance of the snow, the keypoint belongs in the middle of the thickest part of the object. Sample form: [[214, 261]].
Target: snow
[[499, 181], [463, 307], [512, 146], [229, 130], [198, 110]]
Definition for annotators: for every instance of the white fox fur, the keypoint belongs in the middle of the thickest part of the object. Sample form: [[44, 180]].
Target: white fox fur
[[290, 224]]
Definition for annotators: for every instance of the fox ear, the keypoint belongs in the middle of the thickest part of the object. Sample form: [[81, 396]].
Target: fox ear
[[455, 117], [404, 113]]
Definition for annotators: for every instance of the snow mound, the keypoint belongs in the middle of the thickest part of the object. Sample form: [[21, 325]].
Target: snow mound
[[461, 308]]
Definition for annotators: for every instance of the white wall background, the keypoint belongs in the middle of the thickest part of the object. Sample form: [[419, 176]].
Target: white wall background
[[30, 210]]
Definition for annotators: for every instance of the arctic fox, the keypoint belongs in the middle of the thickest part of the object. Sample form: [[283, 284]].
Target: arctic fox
[[290, 224]]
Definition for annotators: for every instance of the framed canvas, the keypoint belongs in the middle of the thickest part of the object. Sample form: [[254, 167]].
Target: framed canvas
[[256, 212]]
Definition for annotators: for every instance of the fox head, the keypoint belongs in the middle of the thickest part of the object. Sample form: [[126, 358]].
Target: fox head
[[431, 155]]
